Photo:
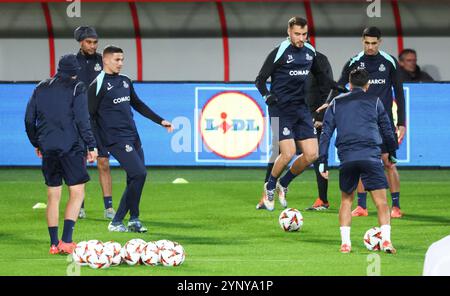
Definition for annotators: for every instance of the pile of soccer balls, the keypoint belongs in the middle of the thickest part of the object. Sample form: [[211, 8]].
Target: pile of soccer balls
[[100, 255], [291, 220]]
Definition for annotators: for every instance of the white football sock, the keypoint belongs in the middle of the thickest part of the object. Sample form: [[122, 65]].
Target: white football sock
[[345, 235], [386, 232]]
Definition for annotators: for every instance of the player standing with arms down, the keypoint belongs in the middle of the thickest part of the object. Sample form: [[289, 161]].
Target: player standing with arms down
[[383, 76], [57, 125], [288, 65], [111, 97], [362, 125], [91, 64]]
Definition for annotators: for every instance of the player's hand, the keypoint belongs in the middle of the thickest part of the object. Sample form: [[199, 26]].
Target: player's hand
[[167, 125], [318, 124], [324, 106], [401, 133], [323, 170], [92, 155], [38, 152], [392, 158], [270, 99]]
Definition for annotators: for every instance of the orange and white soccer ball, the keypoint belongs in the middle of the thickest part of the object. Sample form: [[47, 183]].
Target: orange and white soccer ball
[[115, 250], [79, 254], [132, 250], [173, 256], [98, 260], [291, 220], [94, 245], [372, 239], [150, 255], [164, 244]]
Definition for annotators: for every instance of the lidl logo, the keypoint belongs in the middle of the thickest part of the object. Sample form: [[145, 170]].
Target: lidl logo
[[231, 124]]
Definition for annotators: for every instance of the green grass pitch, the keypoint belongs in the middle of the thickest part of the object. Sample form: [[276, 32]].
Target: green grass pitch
[[214, 218]]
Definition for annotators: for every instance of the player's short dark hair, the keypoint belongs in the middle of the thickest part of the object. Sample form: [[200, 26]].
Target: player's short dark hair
[[297, 21], [405, 52], [109, 49], [359, 77], [372, 32]]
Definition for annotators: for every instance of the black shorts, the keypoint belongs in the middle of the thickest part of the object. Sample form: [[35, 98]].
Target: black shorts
[[70, 167], [371, 174], [294, 124]]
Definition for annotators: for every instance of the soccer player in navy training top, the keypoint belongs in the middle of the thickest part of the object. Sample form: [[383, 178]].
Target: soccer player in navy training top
[[315, 97], [383, 77], [288, 65], [111, 97], [362, 125], [90, 66], [57, 124]]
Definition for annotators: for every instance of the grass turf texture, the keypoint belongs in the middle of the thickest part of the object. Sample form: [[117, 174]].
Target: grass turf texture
[[214, 218]]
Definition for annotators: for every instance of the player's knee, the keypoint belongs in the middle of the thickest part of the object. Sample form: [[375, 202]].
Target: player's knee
[[346, 201], [311, 157], [288, 155], [103, 164]]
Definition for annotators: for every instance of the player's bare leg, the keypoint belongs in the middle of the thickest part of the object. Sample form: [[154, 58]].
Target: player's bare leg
[[53, 200], [310, 153], [345, 220], [361, 209], [393, 178], [384, 219], [275, 150], [54, 197], [104, 175], [76, 197], [287, 151]]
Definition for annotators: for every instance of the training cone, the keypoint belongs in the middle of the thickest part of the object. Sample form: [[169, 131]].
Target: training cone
[[39, 205], [180, 181]]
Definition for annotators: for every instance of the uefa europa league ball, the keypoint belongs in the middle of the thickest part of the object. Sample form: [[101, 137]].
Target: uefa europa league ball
[[150, 255], [131, 251], [372, 239], [291, 220]]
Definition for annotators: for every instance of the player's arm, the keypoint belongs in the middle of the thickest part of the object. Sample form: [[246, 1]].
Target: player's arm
[[344, 79], [342, 82], [328, 127], [146, 111], [327, 83], [400, 99], [325, 91], [266, 71], [81, 116], [94, 99], [384, 124], [30, 120]]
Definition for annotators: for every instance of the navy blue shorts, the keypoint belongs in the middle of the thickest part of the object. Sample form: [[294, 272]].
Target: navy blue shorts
[[371, 174], [294, 124], [70, 167]]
